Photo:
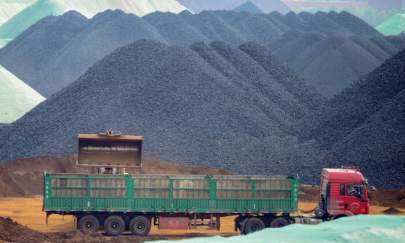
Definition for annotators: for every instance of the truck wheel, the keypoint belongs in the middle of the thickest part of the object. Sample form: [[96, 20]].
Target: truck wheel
[[252, 225], [320, 213], [140, 225], [114, 225], [88, 224], [279, 222], [240, 225]]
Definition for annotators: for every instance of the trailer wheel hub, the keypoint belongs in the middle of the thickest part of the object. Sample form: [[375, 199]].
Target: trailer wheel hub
[[140, 226]]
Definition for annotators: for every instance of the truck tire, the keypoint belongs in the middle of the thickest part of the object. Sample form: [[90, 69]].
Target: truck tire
[[140, 225], [114, 225], [279, 222], [320, 213], [240, 224], [252, 225], [88, 223]]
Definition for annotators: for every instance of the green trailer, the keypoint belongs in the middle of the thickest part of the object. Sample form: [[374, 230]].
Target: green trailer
[[117, 203], [114, 201]]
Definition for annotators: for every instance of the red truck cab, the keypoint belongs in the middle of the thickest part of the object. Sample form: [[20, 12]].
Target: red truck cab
[[343, 192]]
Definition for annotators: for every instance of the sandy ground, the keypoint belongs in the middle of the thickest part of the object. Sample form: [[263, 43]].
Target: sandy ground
[[21, 179], [28, 212]]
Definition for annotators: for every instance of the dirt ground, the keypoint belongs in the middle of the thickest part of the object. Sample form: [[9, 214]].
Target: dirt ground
[[28, 212], [22, 219]]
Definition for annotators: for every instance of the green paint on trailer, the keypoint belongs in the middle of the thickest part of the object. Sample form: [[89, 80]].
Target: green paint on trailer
[[70, 193]]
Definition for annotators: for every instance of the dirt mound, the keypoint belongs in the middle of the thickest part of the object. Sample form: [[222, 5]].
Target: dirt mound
[[24, 177], [392, 210], [309, 193], [389, 198], [11, 231]]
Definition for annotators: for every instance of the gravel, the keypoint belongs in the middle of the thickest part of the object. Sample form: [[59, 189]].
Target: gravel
[[249, 7], [265, 5], [227, 107], [364, 125], [57, 50], [397, 40], [208, 104], [3, 126], [331, 63]]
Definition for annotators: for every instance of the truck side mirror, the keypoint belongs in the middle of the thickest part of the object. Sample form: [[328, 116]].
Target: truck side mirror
[[373, 189]]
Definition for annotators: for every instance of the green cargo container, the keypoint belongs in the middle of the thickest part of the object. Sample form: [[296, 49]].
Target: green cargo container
[[172, 194], [123, 202]]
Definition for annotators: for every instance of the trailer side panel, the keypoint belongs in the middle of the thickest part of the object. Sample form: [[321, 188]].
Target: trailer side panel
[[67, 193]]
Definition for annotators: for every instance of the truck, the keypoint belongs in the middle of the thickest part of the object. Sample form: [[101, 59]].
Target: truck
[[116, 201]]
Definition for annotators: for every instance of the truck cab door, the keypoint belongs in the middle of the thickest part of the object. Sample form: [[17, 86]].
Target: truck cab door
[[354, 200]]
